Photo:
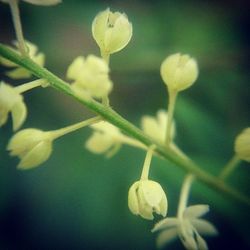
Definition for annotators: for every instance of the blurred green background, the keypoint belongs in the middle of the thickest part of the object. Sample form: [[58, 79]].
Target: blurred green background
[[77, 200]]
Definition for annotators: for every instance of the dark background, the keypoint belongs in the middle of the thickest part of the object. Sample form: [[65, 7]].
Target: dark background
[[77, 200]]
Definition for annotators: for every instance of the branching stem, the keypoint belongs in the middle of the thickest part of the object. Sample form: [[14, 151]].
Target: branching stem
[[107, 113]]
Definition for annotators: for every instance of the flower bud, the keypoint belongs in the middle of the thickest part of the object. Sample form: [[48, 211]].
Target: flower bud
[[32, 146], [242, 145], [105, 139], [90, 76], [146, 197], [11, 102], [179, 72], [156, 126], [112, 31]]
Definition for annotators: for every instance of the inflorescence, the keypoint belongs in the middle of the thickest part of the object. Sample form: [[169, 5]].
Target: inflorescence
[[90, 79]]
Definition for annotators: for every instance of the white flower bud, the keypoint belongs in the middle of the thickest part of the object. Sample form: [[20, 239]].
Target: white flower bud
[[112, 31], [242, 145], [90, 76], [179, 72], [32, 146], [156, 126], [146, 197], [105, 139], [11, 102]]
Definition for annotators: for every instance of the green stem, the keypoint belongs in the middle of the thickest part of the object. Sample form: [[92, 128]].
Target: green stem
[[230, 167], [171, 105], [18, 27], [105, 56], [147, 162], [63, 131], [111, 116], [185, 189], [30, 85]]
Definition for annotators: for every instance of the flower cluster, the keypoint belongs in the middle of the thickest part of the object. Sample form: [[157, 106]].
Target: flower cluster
[[90, 77], [91, 83]]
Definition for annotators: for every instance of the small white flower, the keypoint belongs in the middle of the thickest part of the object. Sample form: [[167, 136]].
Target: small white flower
[[242, 145], [11, 101], [179, 72], [90, 76], [112, 31], [146, 197], [189, 227], [156, 127], [106, 139], [38, 2], [19, 72], [32, 146]]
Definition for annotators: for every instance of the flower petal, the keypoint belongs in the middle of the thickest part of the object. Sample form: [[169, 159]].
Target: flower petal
[[204, 227], [166, 237], [195, 211], [186, 234], [99, 143], [3, 116], [24, 139], [133, 203], [165, 224], [120, 35], [99, 27], [19, 114], [75, 68], [39, 154], [201, 243], [152, 192], [18, 73]]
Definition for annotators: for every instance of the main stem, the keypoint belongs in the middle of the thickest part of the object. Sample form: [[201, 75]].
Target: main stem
[[171, 104], [114, 118], [18, 27]]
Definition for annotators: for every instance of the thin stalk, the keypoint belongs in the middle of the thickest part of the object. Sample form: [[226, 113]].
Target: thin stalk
[[30, 85], [147, 162], [117, 120], [18, 27], [229, 167], [105, 56], [105, 101], [132, 142], [184, 194], [170, 110], [63, 131]]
